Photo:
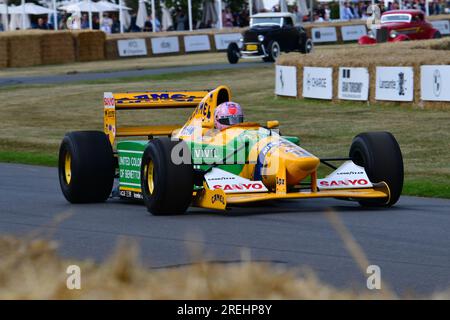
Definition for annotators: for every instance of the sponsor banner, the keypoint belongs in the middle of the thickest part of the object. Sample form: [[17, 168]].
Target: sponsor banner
[[394, 84], [353, 84], [324, 34], [223, 40], [318, 83], [197, 43], [435, 83], [286, 81], [348, 175], [165, 45], [442, 25], [231, 183], [352, 33], [132, 47]]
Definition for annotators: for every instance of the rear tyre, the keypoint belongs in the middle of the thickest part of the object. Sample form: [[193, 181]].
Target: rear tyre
[[233, 53], [380, 155], [86, 167], [166, 187], [437, 35], [307, 46]]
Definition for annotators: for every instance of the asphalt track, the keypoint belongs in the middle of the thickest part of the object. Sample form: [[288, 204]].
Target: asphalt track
[[92, 76], [409, 242]]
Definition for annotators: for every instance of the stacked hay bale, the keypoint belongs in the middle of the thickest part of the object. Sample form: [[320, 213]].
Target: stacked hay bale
[[57, 47], [24, 48], [408, 54], [3, 52], [89, 45]]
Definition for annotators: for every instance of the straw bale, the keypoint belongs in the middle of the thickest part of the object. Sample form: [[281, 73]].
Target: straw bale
[[390, 54], [57, 47], [3, 52], [89, 45]]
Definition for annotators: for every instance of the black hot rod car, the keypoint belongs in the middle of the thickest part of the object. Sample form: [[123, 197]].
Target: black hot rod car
[[269, 34]]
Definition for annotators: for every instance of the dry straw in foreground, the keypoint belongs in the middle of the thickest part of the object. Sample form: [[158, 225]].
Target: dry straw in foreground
[[31, 269]]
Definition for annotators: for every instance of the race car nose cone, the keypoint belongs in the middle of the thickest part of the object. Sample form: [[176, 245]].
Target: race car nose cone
[[299, 168]]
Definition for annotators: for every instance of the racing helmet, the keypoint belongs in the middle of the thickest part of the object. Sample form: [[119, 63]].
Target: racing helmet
[[227, 114]]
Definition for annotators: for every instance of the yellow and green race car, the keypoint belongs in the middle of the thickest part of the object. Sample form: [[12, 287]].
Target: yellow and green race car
[[173, 167]]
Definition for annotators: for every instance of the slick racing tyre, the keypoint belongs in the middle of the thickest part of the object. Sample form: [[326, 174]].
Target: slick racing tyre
[[307, 46], [274, 51], [381, 157], [86, 167], [166, 186], [233, 53]]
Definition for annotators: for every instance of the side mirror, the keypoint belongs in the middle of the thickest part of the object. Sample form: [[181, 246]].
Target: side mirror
[[272, 124]]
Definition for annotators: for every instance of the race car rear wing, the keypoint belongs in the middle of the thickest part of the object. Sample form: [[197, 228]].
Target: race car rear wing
[[113, 102]]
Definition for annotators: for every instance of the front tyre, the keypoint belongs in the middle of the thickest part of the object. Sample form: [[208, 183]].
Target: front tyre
[[86, 167], [274, 51], [233, 53], [166, 187], [381, 157]]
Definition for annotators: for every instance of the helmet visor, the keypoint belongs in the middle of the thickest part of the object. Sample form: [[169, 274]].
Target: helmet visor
[[230, 120]]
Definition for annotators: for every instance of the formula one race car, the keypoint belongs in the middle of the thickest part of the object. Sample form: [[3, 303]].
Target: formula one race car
[[269, 35], [401, 25], [194, 164]]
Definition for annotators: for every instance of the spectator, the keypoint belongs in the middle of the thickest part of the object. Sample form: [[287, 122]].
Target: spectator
[[95, 23], [133, 26], [115, 28], [244, 18], [227, 18], [346, 12], [106, 24], [318, 18], [42, 24], [84, 21], [149, 24], [181, 20], [327, 12]]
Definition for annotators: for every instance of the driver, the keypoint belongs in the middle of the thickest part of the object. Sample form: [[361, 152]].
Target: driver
[[227, 114]]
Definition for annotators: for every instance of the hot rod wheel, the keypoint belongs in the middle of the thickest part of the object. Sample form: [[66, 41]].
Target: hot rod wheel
[[274, 51], [233, 53]]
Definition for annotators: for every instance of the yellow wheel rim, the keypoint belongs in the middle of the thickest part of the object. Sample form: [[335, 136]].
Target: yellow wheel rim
[[150, 182], [67, 167]]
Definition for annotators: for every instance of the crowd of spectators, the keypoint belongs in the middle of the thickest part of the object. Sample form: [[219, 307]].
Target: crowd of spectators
[[351, 10], [323, 11]]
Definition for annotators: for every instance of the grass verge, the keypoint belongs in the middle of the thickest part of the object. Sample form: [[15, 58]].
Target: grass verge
[[35, 118]]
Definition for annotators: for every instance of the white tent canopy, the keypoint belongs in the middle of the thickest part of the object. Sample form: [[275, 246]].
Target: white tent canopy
[[85, 6], [111, 6], [19, 21], [30, 8]]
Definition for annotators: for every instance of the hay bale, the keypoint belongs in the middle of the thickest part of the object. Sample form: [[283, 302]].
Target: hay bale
[[24, 49], [89, 45], [111, 52], [3, 52], [57, 47], [389, 54]]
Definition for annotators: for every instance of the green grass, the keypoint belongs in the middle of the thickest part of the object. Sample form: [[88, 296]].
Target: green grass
[[35, 118], [42, 159]]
